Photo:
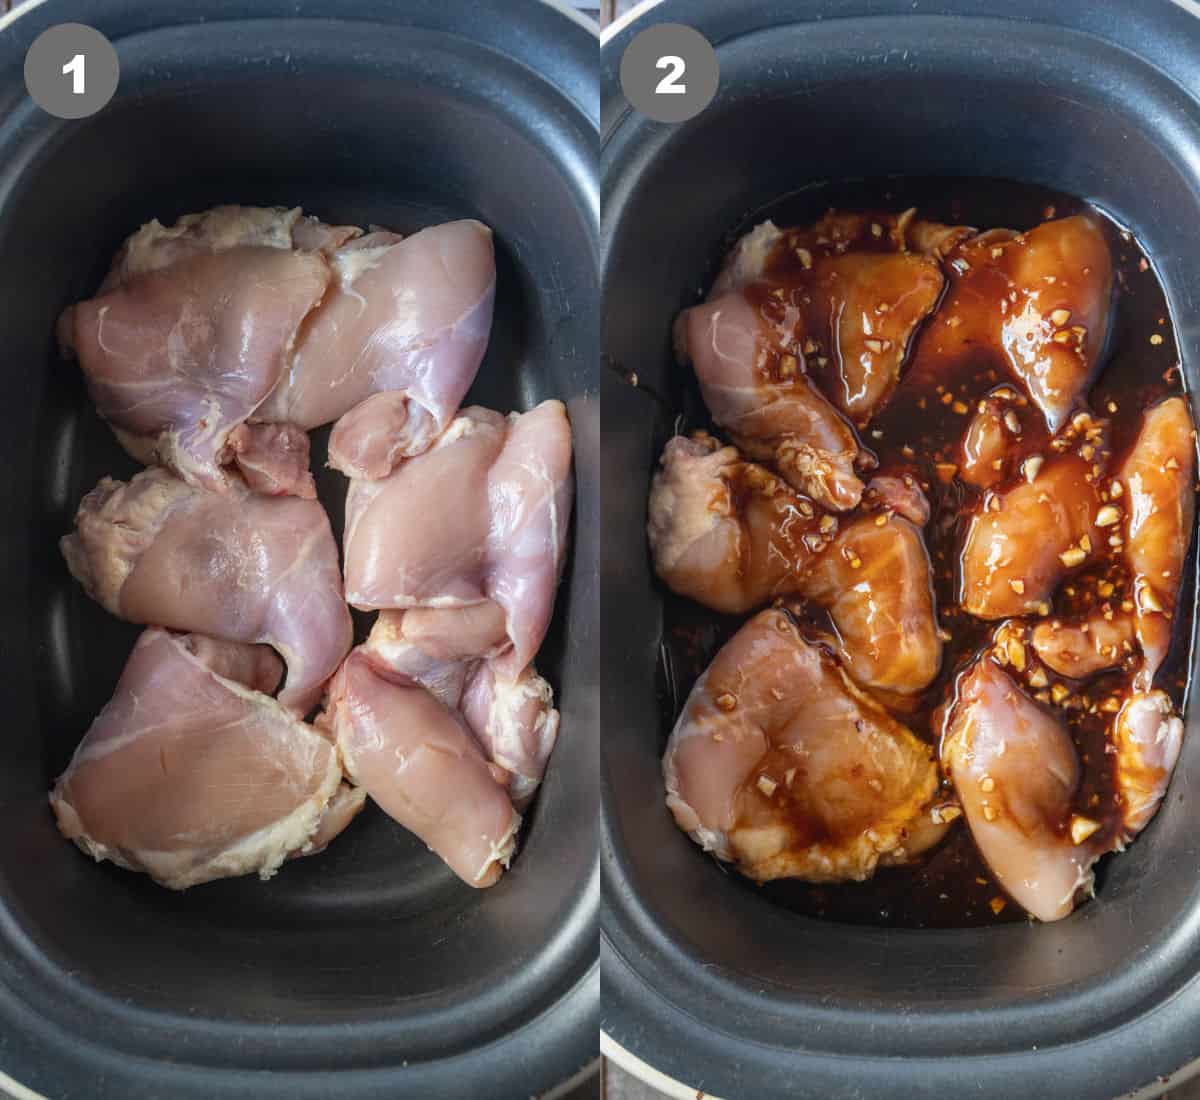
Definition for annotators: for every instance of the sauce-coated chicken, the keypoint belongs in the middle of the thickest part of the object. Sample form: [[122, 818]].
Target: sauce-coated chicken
[[1016, 771], [1027, 536], [732, 536], [1159, 478], [191, 773], [233, 565], [781, 766], [790, 303], [1037, 303]]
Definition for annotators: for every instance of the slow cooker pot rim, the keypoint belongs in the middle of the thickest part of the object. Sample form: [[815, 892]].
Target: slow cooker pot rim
[[639, 1013]]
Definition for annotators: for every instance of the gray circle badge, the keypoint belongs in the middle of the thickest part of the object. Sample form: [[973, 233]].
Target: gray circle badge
[[670, 72], [71, 70]]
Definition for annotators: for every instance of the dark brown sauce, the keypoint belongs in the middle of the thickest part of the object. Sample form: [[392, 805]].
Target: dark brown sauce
[[918, 429]]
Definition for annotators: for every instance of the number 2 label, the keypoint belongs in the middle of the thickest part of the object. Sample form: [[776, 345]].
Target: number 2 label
[[75, 68], [668, 85]]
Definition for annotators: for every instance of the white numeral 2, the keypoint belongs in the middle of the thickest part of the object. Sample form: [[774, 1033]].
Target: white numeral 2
[[75, 68], [667, 85]]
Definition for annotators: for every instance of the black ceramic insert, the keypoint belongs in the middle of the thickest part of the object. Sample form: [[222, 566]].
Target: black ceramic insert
[[368, 971], [703, 978]]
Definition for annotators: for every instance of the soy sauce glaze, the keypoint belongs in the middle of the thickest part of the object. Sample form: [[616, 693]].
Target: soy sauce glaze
[[919, 431]]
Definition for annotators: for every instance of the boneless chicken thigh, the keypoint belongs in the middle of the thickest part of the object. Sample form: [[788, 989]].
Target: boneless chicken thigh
[[803, 334], [1158, 479], [214, 344], [452, 652], [403, 330], [1016, 772], [235, 565], [732, 536], [191, 773], [480, 516], [418, 760], [781, 766], [188, 339]]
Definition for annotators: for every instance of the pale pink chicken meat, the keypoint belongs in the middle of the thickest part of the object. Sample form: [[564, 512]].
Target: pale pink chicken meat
[[418, 760], [235, 565], [404, 329], [1148, 735], [875, 580], [482, 515], [1016, 772], [191, 773], [781, 766], [786, 306], [1037, 303], [178, 355], [451, 653]]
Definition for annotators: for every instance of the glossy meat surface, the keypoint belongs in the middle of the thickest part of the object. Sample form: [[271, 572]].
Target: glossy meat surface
[[1015, 771], [1037, 303], [1158, 478], [190, 773], [788, 304], [407, 316], [233, 565], [781, 766], [483, 515], [418, 760]]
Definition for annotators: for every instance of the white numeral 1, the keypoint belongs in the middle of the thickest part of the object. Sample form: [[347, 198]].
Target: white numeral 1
[[667, 85], [75, 68]]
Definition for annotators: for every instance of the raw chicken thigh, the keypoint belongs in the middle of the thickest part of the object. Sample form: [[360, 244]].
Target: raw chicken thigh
[[450, 652], [189, 335], [214, 344], [1037, 303], [732, 536], [191, 773], [914, 461], [416, 758], [401, 334], [846, 292], [1158, 480], [1027, 536], [781, 766], [234, 565], [480, 516], [1016, 772]]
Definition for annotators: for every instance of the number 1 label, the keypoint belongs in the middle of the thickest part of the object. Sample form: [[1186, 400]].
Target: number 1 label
[[75, 68]]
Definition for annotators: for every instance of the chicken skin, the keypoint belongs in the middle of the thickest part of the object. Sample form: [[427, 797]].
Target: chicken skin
[[780, 765], [233, 565], [192, 773]]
